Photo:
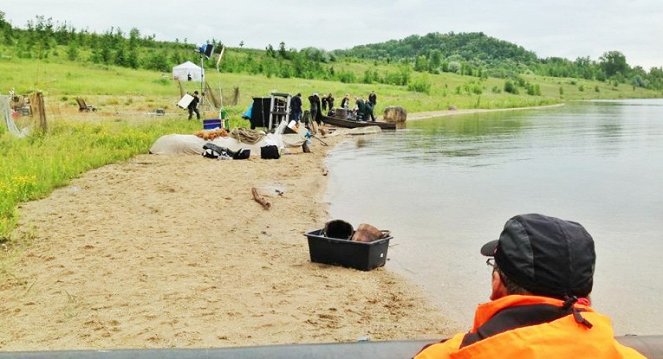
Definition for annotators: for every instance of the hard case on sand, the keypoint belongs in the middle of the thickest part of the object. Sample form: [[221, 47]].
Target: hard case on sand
[[211, 123], [359, 255]]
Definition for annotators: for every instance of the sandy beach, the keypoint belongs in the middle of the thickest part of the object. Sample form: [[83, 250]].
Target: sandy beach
[[173, 252]]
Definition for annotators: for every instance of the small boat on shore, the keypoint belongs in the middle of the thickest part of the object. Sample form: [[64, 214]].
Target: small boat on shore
[[350, 123]]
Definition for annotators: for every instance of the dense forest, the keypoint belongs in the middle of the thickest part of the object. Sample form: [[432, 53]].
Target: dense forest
[[468, 54]]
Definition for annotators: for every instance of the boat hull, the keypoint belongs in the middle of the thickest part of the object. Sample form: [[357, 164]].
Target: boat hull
[[340, 122]]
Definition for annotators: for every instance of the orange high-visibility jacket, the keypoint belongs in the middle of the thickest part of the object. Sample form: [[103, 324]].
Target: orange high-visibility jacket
[[564, 337]]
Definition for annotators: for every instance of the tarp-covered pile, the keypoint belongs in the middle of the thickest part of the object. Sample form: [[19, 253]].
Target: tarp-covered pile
[[192, 144]]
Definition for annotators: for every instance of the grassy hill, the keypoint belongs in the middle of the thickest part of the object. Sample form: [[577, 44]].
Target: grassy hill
[[118, 90]]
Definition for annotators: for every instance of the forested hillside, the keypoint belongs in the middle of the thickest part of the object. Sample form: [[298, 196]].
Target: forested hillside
[[479, 55], [465, 52], [393, 62]]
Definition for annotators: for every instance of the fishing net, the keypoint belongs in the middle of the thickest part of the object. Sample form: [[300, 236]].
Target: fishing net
[[17, 123], [6, 114]]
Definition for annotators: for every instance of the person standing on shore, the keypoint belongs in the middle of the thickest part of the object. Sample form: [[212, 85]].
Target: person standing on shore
[[323, 99], [368, 106], [193, 106], [542, 276], [296, 107], [345, 102], [373, 98], [361, 109], [330, 101], [314, 101]]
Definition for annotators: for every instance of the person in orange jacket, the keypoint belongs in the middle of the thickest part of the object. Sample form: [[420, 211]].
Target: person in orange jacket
[[542, 275]]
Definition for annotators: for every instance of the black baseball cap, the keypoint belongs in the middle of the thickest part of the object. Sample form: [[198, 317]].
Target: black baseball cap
[[545, 255]]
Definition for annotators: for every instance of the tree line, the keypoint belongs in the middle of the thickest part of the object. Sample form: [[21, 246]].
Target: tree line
[[44, 38], [469, 54]]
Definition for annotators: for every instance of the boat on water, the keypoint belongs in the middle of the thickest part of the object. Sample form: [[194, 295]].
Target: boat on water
[[342, 117], [350, 123]]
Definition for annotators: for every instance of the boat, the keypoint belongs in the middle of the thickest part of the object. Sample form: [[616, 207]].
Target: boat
[[342, 117], [350, 123], [649, 346]]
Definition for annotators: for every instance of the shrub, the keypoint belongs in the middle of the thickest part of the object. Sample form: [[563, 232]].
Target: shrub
[[420, 85], [533, 89], [521, 82], [510, 87], [346, 77]]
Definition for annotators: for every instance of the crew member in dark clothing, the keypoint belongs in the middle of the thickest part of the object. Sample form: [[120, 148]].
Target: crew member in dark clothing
[[315, 108], [373, 98], [368, 110], [324, 104], [330, 101], [296, 107], [193, 106], [361, 109], [345, 103]]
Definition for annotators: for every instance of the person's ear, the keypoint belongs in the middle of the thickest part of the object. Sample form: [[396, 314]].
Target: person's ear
[[498, 289]]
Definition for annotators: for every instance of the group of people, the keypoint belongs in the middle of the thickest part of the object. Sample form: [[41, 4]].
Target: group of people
[[324, 105], [318, 106], [364, 109]]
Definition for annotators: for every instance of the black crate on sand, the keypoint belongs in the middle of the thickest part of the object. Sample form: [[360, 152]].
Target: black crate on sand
[[359, 255]]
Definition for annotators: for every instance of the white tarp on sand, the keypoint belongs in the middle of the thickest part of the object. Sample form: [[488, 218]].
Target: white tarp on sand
[[192, 144]]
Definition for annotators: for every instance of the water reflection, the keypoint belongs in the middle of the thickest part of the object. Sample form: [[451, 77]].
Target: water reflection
[[474, 125], [444, 186]]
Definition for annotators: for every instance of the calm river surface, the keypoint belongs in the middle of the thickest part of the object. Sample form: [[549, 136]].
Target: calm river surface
[[445, 186]]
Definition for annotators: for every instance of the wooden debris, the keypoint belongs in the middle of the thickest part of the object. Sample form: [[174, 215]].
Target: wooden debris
[[260, 199]]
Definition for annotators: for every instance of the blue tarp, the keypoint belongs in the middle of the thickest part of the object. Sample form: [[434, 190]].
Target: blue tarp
[[247, 113]]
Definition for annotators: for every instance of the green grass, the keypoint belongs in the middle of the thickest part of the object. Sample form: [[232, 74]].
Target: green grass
[[112, 87], [30, 168]]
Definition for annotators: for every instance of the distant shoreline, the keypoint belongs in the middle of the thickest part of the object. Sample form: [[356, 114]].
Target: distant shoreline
[[443, 113]]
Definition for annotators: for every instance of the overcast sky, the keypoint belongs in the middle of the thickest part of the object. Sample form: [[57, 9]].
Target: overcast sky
[[562, 28]]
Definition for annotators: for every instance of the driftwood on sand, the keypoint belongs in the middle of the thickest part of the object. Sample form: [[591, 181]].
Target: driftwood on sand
[[260, 199]]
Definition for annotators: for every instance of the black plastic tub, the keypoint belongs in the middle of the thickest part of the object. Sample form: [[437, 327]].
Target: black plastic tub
[[359, 255]]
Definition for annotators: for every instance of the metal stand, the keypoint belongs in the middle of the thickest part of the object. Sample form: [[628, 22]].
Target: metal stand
[[279, 108], [202, 74], [204, 101]]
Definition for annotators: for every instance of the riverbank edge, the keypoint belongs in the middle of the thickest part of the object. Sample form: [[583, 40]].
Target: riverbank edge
[[445, 113]]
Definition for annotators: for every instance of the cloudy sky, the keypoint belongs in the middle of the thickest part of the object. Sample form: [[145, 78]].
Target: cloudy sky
[[562, 28]]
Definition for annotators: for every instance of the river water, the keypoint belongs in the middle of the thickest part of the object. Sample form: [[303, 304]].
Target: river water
[[445, 186]]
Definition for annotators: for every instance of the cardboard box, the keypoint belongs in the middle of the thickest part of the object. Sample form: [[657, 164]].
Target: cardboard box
[[359, 255]]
